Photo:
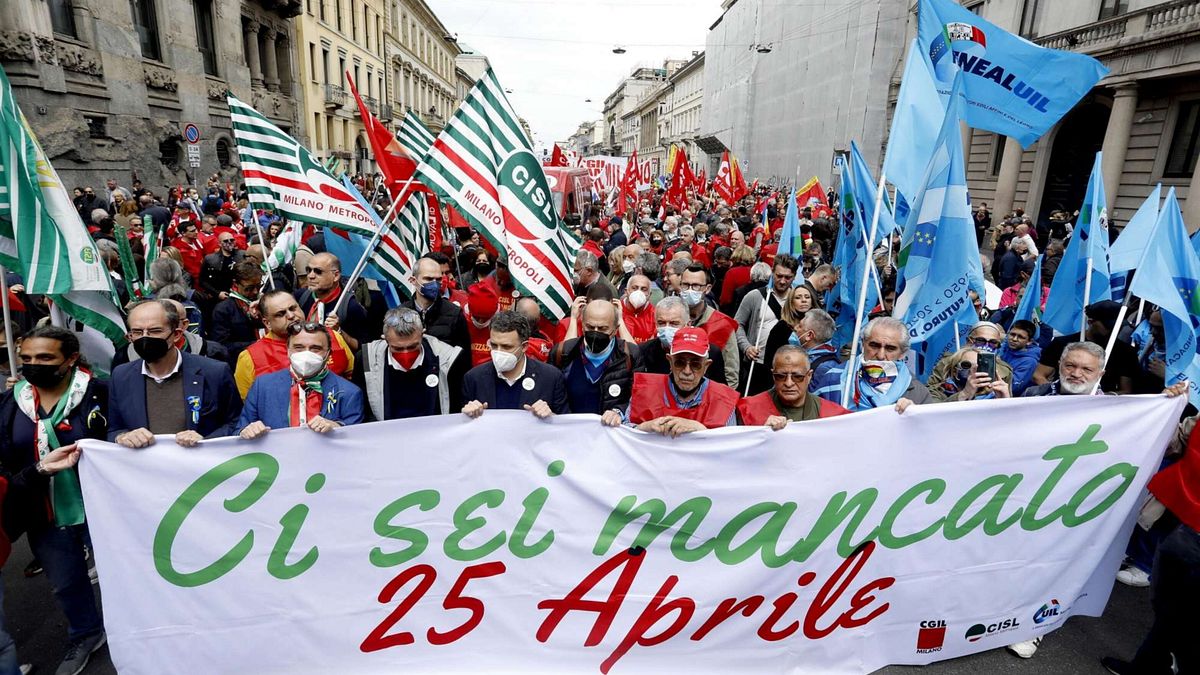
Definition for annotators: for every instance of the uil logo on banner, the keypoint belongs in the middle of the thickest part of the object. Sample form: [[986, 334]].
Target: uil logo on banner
[[1048, 612], [931, 636]]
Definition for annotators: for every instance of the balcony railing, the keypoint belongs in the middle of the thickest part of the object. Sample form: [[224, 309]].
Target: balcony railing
[[335, 96], [386, 112], [1158, 17]]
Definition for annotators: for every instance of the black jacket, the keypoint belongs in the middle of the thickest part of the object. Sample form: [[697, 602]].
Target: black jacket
[[25, 505], [655, 359], [548, 384], [617, 380], [444, 320], [215, 276], [231, 327]]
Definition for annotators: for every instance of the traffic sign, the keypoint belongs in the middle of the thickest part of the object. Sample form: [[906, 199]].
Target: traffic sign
[[191, 133], [193, 152]]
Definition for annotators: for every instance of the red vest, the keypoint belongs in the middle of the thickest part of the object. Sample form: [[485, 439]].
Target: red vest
[[1178, 485], [270, 354], [480, 352], [755, 410], [641, 325], [651, 398]]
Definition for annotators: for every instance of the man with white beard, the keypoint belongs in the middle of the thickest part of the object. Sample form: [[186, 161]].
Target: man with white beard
[[1079, 369]]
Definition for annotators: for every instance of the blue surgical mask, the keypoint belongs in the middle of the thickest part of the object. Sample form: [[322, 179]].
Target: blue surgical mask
[[692, 297], [794, 339], [431, 290], [666, 335]]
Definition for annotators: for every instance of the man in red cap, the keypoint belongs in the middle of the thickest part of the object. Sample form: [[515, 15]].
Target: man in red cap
[[788, 400], [683, 401], [482, 304]]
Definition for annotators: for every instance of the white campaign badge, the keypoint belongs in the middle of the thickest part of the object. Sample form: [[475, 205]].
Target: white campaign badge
[[527, 384], [431, 380]]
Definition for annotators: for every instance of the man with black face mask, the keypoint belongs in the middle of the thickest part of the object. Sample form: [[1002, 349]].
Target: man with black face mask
[[443, 319], [167, 391], [598, 367]]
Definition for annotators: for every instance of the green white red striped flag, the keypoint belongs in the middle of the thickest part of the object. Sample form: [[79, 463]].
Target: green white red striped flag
[[43, 238], [485, 165], [406, 239], [414, 136], [282, 175]]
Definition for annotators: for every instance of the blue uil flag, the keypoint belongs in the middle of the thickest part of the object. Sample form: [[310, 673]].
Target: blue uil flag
[[1012, 86]]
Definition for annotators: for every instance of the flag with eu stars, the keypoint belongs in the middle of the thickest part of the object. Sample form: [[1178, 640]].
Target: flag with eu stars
[[1169, 277], [941, 257], [852, 251]]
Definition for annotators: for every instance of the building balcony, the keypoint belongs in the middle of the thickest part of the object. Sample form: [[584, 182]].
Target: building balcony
[[387, 112], [1120, 32], [335, 96], [371, 102]]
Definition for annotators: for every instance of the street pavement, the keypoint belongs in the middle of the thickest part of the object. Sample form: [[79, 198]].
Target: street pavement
[[40, 631]]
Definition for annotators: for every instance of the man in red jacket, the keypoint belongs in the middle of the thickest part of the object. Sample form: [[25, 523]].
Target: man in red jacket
[[788, 400], [683, 401]]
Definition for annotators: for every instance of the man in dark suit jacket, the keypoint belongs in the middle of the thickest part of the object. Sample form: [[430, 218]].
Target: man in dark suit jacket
[[512, 381], [168, 391]]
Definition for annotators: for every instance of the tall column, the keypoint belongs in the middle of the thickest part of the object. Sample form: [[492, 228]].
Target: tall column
[[1191, 205], [1006, 182], [252, 59], [270, 59], [1116, 139]]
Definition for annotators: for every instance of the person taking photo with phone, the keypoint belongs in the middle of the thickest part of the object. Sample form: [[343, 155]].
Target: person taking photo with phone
[[975, 371]]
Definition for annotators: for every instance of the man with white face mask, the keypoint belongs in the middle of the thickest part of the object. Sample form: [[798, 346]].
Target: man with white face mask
[[306, 394], [511, 380], [636, 311]]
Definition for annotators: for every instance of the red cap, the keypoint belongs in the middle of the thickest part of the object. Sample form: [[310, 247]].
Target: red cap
[[482, 302], [690, 341]]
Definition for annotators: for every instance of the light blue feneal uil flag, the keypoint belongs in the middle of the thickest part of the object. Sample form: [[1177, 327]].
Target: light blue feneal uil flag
[[1030, 306], [852, 250], [1169, 276], [1012, 86], [790, 241], [1064, 307], [942, 259], [915, 124]]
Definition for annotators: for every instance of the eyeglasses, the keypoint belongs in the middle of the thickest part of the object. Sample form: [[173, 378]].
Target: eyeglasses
[[686, 362], [226, 241], [135, 333], [796, 377], [692, 287], [307, 327], [316, 270], [984, 342]]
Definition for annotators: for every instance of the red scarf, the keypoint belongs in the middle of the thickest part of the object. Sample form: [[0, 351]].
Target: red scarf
[[318, 302], [313, 398]]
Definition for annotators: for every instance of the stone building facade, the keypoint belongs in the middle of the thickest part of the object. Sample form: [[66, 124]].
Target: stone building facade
[[108, 85], [421, 54]]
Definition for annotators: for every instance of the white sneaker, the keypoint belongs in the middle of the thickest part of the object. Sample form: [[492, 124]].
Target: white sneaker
[[1132, 576], [1026, 649]]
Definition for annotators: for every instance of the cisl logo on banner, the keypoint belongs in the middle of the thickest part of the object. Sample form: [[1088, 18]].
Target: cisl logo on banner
[[509, 543]]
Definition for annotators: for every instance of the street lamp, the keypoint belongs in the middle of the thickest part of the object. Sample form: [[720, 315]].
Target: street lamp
[[618, 49]]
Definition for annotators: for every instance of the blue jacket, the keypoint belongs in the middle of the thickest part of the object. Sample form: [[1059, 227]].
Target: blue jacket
[[269, 399], [1023, 363], [546, 383], [209, 393]]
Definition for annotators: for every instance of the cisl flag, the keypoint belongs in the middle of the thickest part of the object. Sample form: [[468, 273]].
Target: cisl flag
[[484, 164]]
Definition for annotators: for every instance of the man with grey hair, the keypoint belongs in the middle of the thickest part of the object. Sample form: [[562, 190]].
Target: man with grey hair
[[649, 265], [813, 333], [671, 314], [1079, 372], [878, 377], [587, 273], [687, 244], [409, 373]]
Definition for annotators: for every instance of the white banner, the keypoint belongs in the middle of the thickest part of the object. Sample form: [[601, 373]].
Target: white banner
[[508, 544], [607, 172]]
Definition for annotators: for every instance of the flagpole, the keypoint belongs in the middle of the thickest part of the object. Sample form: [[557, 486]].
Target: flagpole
[[1116, 330], [1137, 320], [362, 261], [1087, 299], [862, 291], [762, 319], [10, 338]]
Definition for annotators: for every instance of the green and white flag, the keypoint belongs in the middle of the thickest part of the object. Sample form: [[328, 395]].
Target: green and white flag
[[414, 136], [483, 163], [285, 246], [406, 239], [43, 238], [283, 176]]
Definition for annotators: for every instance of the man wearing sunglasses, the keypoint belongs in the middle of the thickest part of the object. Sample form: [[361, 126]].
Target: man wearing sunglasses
[[788, 400], [684, 400], [278, 311]]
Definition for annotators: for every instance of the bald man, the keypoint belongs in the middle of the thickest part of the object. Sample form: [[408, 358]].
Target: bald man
[[319, 299], [599, 366]]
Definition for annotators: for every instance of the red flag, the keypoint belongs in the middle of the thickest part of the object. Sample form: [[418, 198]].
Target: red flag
[[436, 225], [456, 219], [723, 183], [676, 196], [739, 181], [628, 191], [811, 190], [557, 158], [394, 160], [701, 182]]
